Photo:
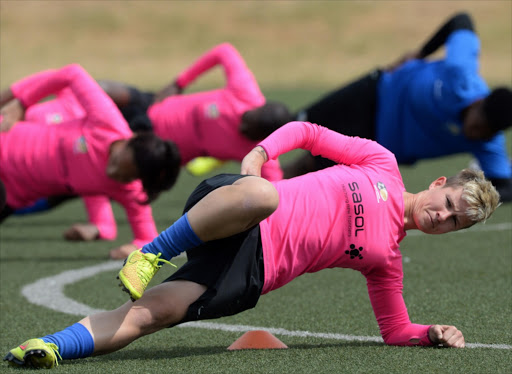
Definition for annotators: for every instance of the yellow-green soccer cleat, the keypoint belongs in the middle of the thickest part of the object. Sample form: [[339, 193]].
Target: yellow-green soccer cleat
[[34, 353], [203, 165], [138, 270]]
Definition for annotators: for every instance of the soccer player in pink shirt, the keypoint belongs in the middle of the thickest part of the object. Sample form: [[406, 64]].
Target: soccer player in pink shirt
[[92, 152], [245, 236], [208, 123]]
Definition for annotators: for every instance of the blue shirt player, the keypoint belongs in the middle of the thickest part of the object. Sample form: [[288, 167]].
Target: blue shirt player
[[422, 109]]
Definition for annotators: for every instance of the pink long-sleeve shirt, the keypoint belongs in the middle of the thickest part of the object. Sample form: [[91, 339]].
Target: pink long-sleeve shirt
[[350, 215], [207, 123], [63, 108], [37, 160]]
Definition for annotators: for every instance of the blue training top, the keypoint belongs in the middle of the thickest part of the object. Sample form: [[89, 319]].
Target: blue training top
[[420, 104]]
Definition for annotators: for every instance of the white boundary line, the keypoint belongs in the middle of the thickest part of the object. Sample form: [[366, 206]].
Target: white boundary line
[[477, 228], [49, 293]]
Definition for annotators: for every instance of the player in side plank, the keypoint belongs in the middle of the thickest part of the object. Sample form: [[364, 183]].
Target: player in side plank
[[245, 236]]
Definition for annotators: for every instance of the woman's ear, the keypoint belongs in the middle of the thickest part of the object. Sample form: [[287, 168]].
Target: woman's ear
[[439, 182]]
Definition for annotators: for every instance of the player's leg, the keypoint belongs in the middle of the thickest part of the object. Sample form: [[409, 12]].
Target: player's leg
[[219, 207], [231, 209], [162, 306]]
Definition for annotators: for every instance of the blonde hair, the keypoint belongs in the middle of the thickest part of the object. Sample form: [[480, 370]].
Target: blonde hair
[[478, 192]]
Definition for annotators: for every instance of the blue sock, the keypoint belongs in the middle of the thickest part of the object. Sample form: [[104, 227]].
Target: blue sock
[[176, 239], [74, 341]]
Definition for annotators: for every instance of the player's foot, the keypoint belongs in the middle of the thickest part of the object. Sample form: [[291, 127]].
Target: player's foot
[[203, 165], [138, 270], [34, 353]]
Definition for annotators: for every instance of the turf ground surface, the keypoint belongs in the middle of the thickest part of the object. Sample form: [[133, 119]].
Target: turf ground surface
[[464, 279], [298, 51]]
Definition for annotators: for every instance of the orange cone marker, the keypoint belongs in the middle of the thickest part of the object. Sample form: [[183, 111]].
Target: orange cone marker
[[257, 339]]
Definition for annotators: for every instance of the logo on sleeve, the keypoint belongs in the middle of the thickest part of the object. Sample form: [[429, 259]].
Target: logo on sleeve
[[354, 252], [80, 145], [54, 118], [381, 191], [212, 111], [453, 128]]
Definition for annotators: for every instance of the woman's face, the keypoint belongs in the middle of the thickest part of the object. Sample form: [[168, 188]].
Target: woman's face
[[441, 209], [121, 163]]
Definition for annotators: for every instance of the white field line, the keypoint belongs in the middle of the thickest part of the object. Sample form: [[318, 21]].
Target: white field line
[[477, 228], [49, 292]]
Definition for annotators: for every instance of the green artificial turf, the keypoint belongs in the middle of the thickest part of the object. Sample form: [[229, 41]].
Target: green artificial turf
[[464, 279]]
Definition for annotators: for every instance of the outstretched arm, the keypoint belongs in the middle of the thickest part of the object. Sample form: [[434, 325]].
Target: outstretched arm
[[460, 21]]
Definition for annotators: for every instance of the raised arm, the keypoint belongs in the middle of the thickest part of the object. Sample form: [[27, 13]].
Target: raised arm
[[460, 21], [225, 55], [319, 141], [95, 102]]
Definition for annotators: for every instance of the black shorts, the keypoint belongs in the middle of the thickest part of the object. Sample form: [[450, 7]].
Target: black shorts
[[350, 110], [231, 268]]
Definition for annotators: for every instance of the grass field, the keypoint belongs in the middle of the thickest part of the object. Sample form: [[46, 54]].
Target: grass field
[[298, 50], [463, 279]]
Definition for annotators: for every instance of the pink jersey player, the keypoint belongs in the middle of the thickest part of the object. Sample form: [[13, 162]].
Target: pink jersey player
[[246, 236], [208, 123], [348, 216], [80, 156]]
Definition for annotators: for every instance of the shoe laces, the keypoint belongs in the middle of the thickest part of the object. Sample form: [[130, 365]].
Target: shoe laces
[[149, 267], [56, 351]]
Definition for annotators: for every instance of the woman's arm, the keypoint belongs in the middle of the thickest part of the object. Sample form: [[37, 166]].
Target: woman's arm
[[460, 21], [140, 216], [385, 291], [319, 141], [95, 102]]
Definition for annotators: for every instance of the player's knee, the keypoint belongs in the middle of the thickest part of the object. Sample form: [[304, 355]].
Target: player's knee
[[260, 197]]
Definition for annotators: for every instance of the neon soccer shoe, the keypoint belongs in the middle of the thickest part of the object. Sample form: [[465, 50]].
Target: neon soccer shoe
[[138, 270], [203, 165], [34, 353]]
